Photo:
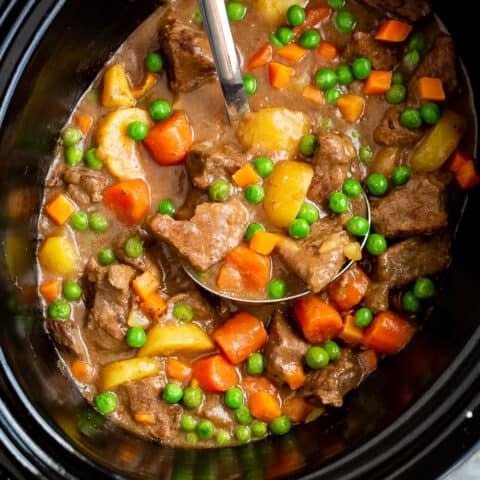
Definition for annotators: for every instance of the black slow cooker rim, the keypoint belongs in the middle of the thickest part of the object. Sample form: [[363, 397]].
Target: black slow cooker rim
[[440, 416]]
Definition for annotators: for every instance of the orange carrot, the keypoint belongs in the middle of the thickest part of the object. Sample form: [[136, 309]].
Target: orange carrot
[[170, 140], [467, 175], [229, 277], [130, 200], [84, 121], [252, 385], [144, 418], [246, 176], [313, 94], [145, 87], [296, 409], [292, 52], [153, 306], [145, 284], [50, 290], [349, 290], [318, 320], [327, 51], [214, 373], [263, 242], [351, 333], [177, 369], [261, 57], [459, 158], [393, 31], [378, 82], [279, 74], [254, 268], [60, 209], [264, 406], [240, 336], [294, 376], [82, 371], [351, 106], [431, 89], [314, 15], [388, 333]]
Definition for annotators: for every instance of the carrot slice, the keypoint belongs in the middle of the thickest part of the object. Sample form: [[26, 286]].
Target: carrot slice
[[378, 82], [240, 336], [431, 89], [129, 200], [252, 385], [82, 371], [327, 51], [246, 176], [253, 267], [313, 94], [279, 74], [261, 57], [153, 306], [144, 418], [467, 175], [50, 290], [292, 52], [349, 290], [263, 242], [314, 15], [393, 31], [177, 370], [214, 373], [84, 121], [459, 158], [295, 377], [296, 409], [264, 406], [60, 209], [229, 277], [351, 107], [351, 333], [145, 284]]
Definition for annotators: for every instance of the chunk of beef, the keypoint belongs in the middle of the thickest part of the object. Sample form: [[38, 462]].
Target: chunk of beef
[[376, 297], [107, 317], [206, 163], [332, 383], [331, 164], [206, 238], [416, 208], [414, 257], [189, 62], [391, 132], [284, 351], [413, 10], [319, 257], [144, 397], [85, 186], [194, 198], [67, 335], [214, 409], [439, 62], [383, 56]]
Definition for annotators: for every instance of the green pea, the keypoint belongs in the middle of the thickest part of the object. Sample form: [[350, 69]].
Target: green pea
[[154, 62], [73, 155], [332, 349], [361, 67], [309, 39], [98, 222], [308, 145], [252, 228], [234, 398], [71, 290], [401, 175], [397, 78], [299, 228], [357, 226], [366, 154], [105, 256], [197, 17], [205, 429], [183, 313], [192, 397], [243, 415], [411, 118], [430, 113], [264, 166], [280, 425], [222, 437], [345, 22], [250, 84], [336, 4], [255, 364], [236, 11], [106, 402], [71, 136], [363, 317], [167, 207], [352, 188], [160, 110], [276, 288], [259, 429], [317, 357], [79, 221], [296, 15], [254, 194], [325, 78], [172, 393], [274, 40], [377, 184], [332, 95], [344, 75], [396, 94], [376, 244], [338, 202], [136, 337], [285, 35], [59, 310], [424, 288], [137, 130], [191, 438], [412, 59], [219, 190], [133, 247], [92, 160], [309, 213], [410, 302], [417, 41], [187, 423], [243, 433]]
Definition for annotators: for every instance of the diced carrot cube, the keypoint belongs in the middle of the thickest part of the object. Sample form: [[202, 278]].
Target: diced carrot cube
[[263, 242], [431, 89], [246, 176], [145, 284], [153, 306], [60, 209]]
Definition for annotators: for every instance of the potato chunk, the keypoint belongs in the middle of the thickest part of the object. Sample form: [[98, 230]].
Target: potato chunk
[[117, 373], [116, 89], [59, 255], [275, 10]]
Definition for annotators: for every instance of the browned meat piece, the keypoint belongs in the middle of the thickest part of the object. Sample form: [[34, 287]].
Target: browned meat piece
[[206, 238], [189, 62], [67, 335], [413, 10], [382, 55], [206, 163], [284, 351], [376, 298], [85, 185], [107, 317], [414, 257], [194, 198], [416, 208], [144, 397], [332, 383], [319, 257], [391, 133], [214, 409], [439, 62], [331, 163]]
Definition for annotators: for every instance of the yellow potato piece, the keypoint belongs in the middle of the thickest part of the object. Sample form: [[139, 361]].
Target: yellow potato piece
[[117, 373], [285, 191], [115, 148], [439, 143], [275, 10], [273, 129], [59, 255], [172, 339], [116, 89]]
